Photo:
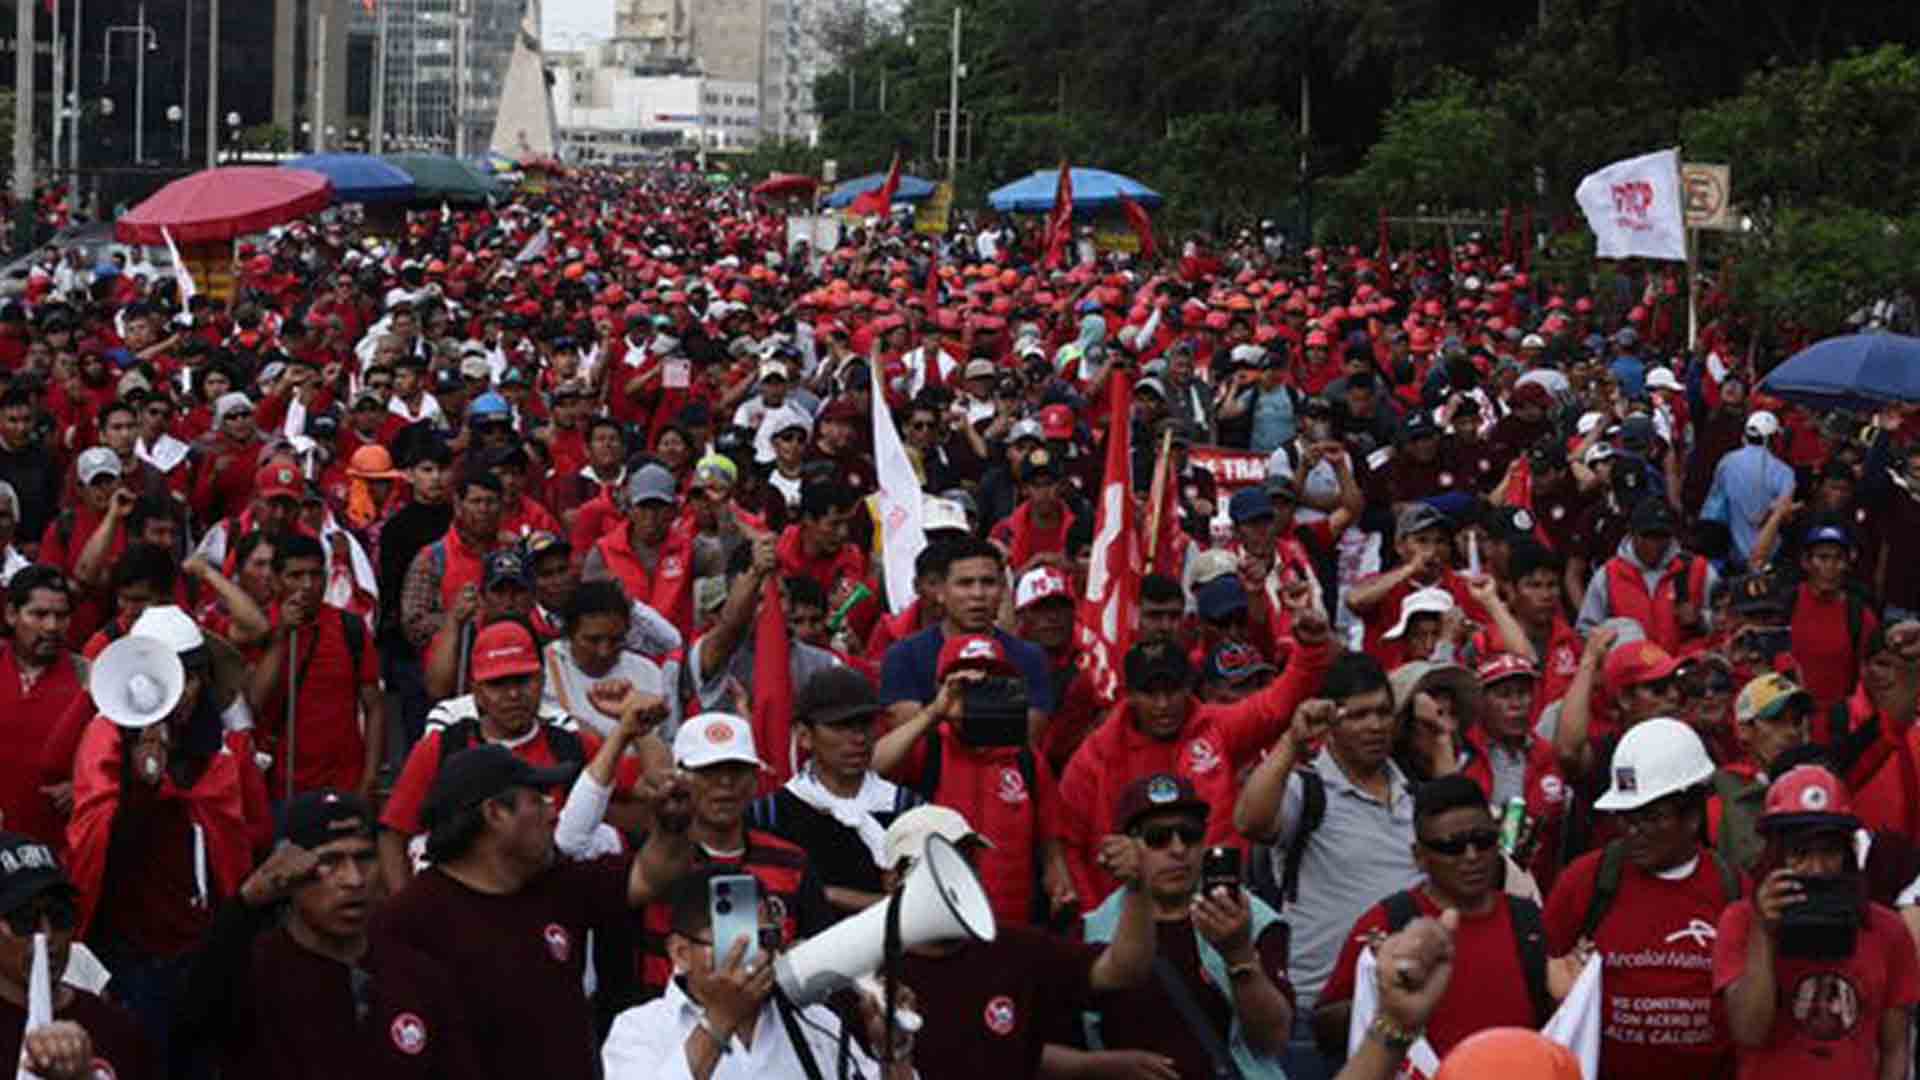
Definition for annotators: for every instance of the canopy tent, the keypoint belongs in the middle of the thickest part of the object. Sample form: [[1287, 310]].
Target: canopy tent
[[1864, 372], [216, 205], [912, 189], [444, 178], [1093, 190], [358, 178]]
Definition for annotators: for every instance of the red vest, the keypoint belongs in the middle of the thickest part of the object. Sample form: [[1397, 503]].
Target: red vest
[[1024, 539], [461, 568], [988, 788], [1627, 596], [668, 588]]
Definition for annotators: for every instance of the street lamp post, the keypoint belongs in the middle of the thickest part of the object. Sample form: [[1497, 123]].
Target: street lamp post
[[149, 42], [233, 136], [175, 114]]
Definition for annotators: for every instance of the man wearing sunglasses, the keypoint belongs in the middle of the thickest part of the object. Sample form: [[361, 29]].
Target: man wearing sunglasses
[[1225, 951], [1514, 984], [36, 897]]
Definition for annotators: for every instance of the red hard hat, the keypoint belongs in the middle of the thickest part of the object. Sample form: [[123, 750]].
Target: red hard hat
[[1317, 340], [1637, 315], [1514, 1052], [1808, 796], [1583, 305]]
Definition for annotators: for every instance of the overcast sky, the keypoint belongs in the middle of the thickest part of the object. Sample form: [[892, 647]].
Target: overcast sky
[[578, 16]]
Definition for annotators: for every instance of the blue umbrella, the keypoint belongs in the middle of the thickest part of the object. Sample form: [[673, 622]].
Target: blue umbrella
[[1857, 371], [911, 189], [358, 178], [1093, 189]]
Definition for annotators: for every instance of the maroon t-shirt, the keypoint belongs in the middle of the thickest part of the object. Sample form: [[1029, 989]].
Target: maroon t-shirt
[[299, 1019], [478, 985], [997, 1003], [120, 1048], [1144, 1018]]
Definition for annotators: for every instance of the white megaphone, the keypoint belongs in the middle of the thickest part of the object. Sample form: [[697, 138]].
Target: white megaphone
[[941, 900], [137, 681]]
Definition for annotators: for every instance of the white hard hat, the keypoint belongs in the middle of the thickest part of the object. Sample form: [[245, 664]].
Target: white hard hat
[[1763, 425], [1657, 758]]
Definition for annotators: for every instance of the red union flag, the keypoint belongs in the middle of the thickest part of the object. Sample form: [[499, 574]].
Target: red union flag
[[1104, 629], [1635, 208], [1060, 219]]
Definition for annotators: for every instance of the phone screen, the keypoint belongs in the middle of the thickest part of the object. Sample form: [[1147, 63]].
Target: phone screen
[[733, 907]]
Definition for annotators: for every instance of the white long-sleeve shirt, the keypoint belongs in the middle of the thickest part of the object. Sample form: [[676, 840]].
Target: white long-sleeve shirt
[[649, 1043]]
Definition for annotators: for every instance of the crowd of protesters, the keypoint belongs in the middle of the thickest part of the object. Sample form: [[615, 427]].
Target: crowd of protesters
[[1539, 639]]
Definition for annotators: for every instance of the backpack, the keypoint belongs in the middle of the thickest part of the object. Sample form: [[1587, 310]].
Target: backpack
[[356, 635], [1613, 860], [566, 745], [1529, 936], [1278, 893], [1739, 816]]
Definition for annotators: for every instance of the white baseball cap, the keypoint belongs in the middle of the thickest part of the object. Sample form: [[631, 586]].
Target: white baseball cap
[[1763, 425], [96, 462], [1533, 341], [1597, 453], [1040, 583], [907, 837], [1428, 601], [937, 513], [1662, 378], [712, 738]]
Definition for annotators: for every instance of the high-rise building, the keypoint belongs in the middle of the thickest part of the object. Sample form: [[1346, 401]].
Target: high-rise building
[[763, 42], [425, 40]]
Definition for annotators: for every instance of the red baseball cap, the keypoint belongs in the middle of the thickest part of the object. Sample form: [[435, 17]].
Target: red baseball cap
[[972, 651], [276, 480], [1501, 666], [1056, 422], [1635, 663], [503, 650]]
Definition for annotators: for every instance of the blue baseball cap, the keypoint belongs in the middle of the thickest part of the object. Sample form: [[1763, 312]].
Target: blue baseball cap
[[1250, 505], [1222, 598]]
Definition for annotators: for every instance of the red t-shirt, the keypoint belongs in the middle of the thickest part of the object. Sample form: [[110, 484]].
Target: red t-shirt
[[1826, 1016], [402, 812], [1495, 996], [1824, 648], [1660, 1019], [1382, 617], [331, 748]]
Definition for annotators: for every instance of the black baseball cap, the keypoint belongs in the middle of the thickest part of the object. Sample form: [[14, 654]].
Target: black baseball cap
[[479, 773], [315, 818], [503, 567], [27, 869], [836, 695], [1653, 517], [1159, 793]]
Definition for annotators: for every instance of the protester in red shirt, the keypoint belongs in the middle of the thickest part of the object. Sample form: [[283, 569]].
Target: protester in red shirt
[[1830, 625], [1421, 540], [1456, 843], [339, 719], [1655, 931], [1817, 980], [1039, 525], [39, 680]]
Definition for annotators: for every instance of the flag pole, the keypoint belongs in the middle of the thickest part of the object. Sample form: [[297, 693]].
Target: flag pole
[[1157, 492], [1692, 243]]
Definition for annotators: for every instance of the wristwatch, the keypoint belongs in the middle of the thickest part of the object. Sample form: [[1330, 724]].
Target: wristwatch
[[1390, 1035]]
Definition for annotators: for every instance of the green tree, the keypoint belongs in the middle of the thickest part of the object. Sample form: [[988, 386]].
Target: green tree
[[1813, 268], [1445, 150]]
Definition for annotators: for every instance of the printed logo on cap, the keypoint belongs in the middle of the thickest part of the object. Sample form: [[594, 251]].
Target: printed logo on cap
[[1162, 789], [1813, 797], [101, 1069], [980, 649], [1557, 511], [1013, 787], [409, 1034], [559, 942], [1553, 789], [1446, 479], [1624, 780], [1522, 519], [719, 732], [1001, 1016]]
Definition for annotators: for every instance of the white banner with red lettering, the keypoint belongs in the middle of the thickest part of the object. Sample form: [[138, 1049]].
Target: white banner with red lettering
[[1232, 469], [1635, 209], [1575, 1025]]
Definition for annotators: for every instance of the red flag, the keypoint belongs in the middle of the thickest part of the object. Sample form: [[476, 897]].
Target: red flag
[[933, 286], [773, 690], [1104, 629], [1142, 227], [1060, 221], [880, 200]]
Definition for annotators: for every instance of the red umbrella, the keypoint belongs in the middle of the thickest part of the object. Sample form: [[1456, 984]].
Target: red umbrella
[[786, 186], [220, 204]]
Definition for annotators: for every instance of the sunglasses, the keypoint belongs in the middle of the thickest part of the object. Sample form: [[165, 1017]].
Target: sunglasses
[[919, 425], [1158, 837], [58, 912], [1477, 839]]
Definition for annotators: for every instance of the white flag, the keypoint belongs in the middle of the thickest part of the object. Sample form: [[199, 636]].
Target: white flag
[[1575, 1025], [181, 275], [1634, 208], [897, 506], [39, 1002], [536, 247]]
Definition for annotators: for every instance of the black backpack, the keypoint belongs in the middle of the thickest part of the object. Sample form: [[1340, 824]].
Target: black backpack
[[1529, 936], [566, 745]]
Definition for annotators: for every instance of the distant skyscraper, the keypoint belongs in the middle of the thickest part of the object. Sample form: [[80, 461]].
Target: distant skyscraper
[[758, 41], [421, 57]]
